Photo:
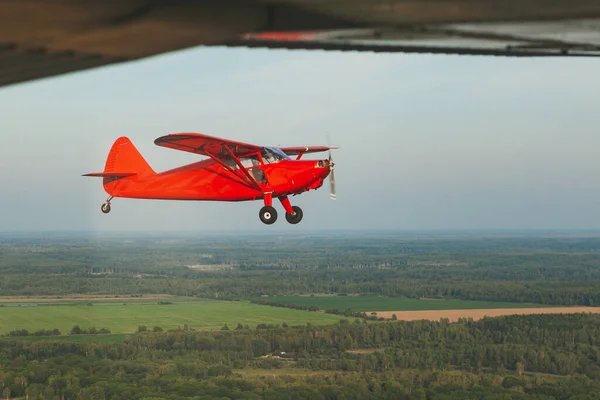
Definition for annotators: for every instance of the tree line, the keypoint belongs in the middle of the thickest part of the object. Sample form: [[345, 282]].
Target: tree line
[[309, 307], [533, 356]]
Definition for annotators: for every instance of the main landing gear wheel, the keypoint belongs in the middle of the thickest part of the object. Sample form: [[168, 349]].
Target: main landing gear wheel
[[268, 215], [105, 208], [295, 217]]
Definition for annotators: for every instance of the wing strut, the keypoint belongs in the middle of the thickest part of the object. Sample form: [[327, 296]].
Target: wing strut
[[302, 153], [228, 168], [244, 170]]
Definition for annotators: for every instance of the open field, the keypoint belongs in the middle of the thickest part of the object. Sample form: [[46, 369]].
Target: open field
[[105, 338], [454, 315], [121, 318], [259, 373], [369, 303], [91, 297]]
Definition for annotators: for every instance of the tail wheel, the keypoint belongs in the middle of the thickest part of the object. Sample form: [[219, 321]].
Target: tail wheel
[[268, 215], [105, 208], [295, 217]]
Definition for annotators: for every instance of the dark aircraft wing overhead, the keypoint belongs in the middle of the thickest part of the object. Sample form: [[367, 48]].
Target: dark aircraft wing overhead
[[42, 38], [564, 38]]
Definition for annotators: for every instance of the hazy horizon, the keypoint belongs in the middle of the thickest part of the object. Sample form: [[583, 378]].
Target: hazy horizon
[[300, 231], [428, 142]]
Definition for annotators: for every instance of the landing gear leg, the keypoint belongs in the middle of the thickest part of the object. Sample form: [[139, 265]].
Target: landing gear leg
[[106, 206], [268, 214], [293, 214]]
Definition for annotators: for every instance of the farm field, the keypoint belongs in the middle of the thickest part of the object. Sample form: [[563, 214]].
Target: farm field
[[261, 373], [454, 315], [121, 318], [104, 338], [377, 303], [84, 298]]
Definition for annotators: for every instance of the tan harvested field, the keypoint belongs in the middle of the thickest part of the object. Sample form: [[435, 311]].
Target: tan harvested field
[[212, 267], [454, 315], [363, 351]]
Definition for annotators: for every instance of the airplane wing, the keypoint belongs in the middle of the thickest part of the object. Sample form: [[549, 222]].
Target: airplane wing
[[218, 149], [294, 151], [574, 38], [205, 145], [43, 38]]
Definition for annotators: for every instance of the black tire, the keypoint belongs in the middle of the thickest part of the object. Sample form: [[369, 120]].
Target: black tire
[[296, 217], [105, 208], [268, 215]]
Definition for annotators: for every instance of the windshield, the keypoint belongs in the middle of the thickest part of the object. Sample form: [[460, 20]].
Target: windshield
[[272, 155]]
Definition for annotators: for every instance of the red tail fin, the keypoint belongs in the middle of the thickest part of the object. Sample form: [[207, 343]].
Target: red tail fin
[[124, 158]]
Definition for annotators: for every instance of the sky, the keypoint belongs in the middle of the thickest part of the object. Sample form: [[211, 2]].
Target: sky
[[426, 141]]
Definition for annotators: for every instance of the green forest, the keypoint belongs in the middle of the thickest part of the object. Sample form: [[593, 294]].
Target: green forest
[[353, 356], [554, 270], [536, 357]]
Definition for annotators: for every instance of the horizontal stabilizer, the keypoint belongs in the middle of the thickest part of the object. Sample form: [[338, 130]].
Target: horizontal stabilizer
[[111, 174]]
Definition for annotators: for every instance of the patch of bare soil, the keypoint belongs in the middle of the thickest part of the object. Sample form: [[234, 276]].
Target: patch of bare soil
[[212, 267], [454, 315], [363, 351]]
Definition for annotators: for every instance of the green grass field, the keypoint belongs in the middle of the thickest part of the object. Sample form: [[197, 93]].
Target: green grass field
[[375, 303], [121, 318]]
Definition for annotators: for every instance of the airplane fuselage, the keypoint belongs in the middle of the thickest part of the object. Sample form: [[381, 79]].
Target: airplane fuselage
[[209, 181]]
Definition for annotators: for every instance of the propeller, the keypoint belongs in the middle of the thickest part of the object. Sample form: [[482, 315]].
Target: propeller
[[331, 178], [332, 195]]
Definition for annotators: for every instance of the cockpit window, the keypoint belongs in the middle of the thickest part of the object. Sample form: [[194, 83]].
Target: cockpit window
[[250, 161], [247, 162], [272, 155]]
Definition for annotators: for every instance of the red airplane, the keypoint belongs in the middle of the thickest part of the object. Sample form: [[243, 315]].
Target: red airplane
[[235, 171]]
